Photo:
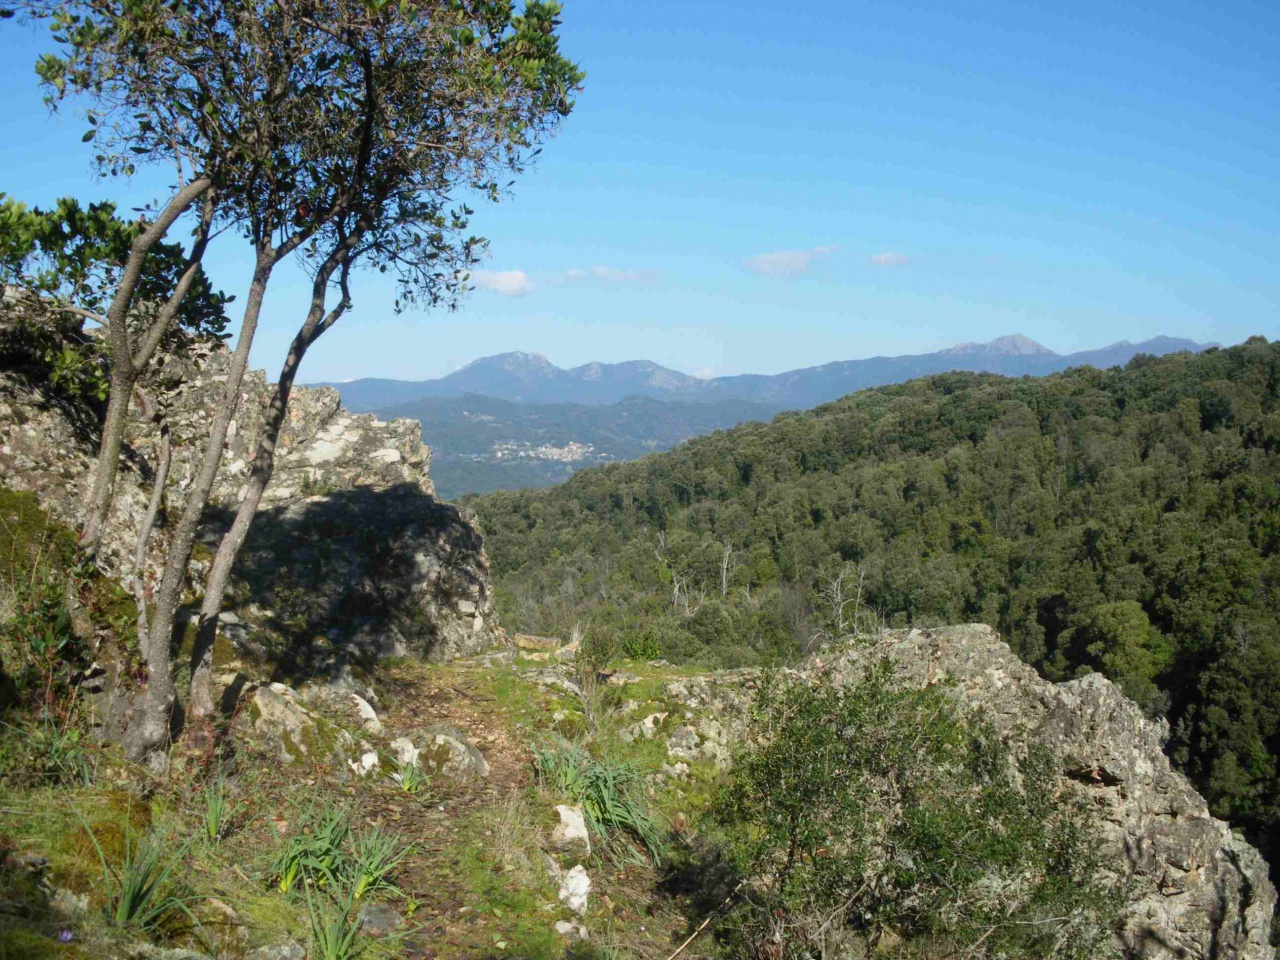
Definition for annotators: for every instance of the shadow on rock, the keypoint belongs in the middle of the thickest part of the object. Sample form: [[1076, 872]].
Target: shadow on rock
[[353, 575]]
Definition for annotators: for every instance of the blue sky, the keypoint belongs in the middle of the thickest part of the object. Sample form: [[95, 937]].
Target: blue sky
[[752, 187]]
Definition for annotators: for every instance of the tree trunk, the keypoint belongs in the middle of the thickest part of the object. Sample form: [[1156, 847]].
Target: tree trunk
[[149, 727], [124, 371], [164, 459], [201, 701]]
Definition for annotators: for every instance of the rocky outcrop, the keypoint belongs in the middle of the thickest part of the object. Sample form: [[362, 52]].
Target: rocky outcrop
[[1199, 891], [350, 556]]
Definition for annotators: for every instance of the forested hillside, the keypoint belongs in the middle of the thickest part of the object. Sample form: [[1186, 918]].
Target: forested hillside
[[1123, 520]]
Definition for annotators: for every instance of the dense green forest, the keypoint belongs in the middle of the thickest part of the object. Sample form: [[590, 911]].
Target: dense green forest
[[1123, 520]]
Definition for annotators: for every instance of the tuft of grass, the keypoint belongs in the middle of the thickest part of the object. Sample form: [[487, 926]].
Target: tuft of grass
[[134, 888], [375, 853], [314, 852], [412, 779], [610, 792], [218, 808], [335, 925]]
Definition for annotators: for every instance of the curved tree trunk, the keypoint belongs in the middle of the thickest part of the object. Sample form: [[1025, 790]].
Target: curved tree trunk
[[148, 731], [316, 323], [126, 367]]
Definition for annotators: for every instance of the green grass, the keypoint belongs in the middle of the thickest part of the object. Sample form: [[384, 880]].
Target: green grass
[[507, 912], [135, 889], [610, 791], [315, 850]]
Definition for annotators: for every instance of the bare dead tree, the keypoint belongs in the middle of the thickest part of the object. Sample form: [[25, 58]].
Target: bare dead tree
[[728, 564]]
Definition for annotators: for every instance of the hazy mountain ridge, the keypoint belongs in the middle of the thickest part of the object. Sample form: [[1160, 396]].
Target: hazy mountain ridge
[[532, 378]]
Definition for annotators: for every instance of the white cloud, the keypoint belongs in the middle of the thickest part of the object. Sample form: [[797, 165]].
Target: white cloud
[[506, 283], [889, 259], [608, 274], [785, 264]]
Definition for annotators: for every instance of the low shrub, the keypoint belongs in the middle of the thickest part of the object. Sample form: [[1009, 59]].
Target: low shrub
[[878, 816], [643, 644]]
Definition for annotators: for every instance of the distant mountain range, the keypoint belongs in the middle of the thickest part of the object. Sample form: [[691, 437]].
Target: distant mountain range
[[517, 420], [532, 378]]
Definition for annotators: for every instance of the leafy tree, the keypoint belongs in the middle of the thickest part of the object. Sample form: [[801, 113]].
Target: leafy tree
[[1118, 639], [306, 127], [498, 85], [63, 266]]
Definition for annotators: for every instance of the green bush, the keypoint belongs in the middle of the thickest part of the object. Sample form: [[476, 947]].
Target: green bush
[[643, 644], [599, 648], [876, 816]]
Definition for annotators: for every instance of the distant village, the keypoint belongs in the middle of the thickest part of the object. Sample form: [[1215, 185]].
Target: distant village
[[571, 452]]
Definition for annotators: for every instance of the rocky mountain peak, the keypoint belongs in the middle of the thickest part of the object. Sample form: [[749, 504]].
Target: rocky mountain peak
[[1010, 345]]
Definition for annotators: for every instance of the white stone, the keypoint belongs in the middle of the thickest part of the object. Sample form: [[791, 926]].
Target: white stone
[[575, 889], [570, 836], [367, 763], [404, 751], [387, 455], [324, 451], [368, 717], [572, 931]]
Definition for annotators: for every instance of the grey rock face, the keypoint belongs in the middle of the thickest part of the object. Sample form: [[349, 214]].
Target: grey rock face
[[349, 540], [1199, 891]]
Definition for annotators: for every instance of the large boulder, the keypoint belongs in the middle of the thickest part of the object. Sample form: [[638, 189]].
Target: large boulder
[[280, 723], [351, 555], [441, 751]]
